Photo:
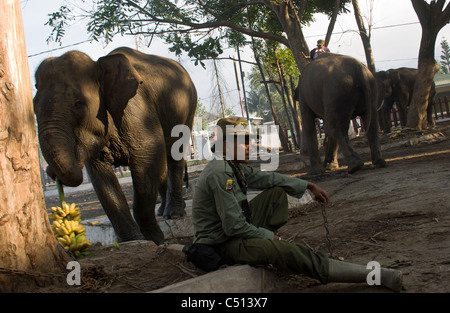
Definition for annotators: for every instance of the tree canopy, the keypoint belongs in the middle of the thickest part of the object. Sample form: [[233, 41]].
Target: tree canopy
[[200, 28]]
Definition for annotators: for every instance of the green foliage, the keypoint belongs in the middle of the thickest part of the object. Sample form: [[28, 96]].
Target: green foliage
[[202, 114], [326, 6], [199, 28], [58, 21], [445, 57], [209, 48], [108, 20]]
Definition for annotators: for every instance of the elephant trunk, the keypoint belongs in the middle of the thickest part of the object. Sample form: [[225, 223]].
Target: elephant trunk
[[59, 150]]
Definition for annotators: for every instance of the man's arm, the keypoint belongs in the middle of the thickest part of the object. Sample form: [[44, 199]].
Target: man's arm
[[233, 220], [319, 194], [293, 186], [263, 180]]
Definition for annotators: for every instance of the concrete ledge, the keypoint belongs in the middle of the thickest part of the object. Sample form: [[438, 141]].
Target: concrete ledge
[[232, 279]]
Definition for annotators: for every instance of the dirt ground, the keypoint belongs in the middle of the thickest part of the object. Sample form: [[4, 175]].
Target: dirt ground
[[398, 216]]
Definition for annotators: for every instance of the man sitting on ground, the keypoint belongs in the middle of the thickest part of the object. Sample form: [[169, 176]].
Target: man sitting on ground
[[245, 232]]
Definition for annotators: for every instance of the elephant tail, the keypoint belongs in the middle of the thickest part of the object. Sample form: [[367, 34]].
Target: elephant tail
[[369, 87]]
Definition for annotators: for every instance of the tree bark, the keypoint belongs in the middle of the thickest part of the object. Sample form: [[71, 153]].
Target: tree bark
[[292, 28], [432, 18], [27, 244], [365, 38], [332, 22]]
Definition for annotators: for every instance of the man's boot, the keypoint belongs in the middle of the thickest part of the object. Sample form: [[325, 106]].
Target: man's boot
[[344, 272]]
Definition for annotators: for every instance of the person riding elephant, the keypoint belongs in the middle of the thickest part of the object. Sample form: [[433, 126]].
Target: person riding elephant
[[397, 86], [337, 89], [117, 111]]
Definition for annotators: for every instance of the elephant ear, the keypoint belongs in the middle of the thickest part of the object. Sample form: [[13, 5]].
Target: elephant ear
[[119, 82]]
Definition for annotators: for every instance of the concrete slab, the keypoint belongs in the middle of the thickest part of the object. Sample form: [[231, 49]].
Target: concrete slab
[[231, 279]]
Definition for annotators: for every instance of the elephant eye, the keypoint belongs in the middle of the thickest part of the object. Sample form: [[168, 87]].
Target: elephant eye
[[78, 104], [78, 108]]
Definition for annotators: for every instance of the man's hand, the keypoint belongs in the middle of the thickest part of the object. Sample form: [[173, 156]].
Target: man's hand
[[319, 194]]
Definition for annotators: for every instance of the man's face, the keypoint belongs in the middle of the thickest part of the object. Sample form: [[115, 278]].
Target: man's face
[[239, 148]]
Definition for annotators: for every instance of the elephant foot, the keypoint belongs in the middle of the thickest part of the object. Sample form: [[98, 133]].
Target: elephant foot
[[155, 235], [330, 166], [125, 238], [380, 163], [316, 171], [174, 212], [354, 166]]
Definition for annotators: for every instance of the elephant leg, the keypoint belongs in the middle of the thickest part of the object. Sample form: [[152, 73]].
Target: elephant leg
[[175, 202], [373, 138], [310, 134], [402, 106], [336, 126], [331, 149], [147, 171], [113, 200], [381, 118], [354, 162], [144, 204], [163, 196], [387, 122]]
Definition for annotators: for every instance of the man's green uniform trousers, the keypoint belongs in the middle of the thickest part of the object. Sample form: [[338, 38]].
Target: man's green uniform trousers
[[270, 210]]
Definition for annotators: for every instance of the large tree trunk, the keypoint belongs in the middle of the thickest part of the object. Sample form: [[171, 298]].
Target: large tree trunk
[[365, 38], [292, 28], [332, 22], [432, 18], [27, 244], [417, 111]]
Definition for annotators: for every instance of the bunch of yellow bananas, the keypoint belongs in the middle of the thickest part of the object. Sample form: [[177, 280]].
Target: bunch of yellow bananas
[[68, 230]]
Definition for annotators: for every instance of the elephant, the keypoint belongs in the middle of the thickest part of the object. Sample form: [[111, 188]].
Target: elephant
[[397, 86], [117, 111], [337, 89]]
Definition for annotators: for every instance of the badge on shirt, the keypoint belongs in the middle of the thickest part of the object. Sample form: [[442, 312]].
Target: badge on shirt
[[229, 185]]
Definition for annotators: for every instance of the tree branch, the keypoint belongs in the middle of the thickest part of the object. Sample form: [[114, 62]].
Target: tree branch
[[444, 17], [213, 24], [421, 8]]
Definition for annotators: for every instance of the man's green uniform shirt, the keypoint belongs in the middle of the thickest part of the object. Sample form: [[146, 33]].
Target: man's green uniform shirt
[[216, 210]]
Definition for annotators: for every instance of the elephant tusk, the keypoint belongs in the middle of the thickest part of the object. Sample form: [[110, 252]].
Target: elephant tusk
[[381, 106]]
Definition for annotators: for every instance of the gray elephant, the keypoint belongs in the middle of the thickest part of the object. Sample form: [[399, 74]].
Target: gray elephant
[[337, 89], [119, 111], [397, 86]]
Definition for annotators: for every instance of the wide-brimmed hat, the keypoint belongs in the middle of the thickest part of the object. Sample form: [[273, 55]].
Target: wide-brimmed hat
[[236, 125]]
